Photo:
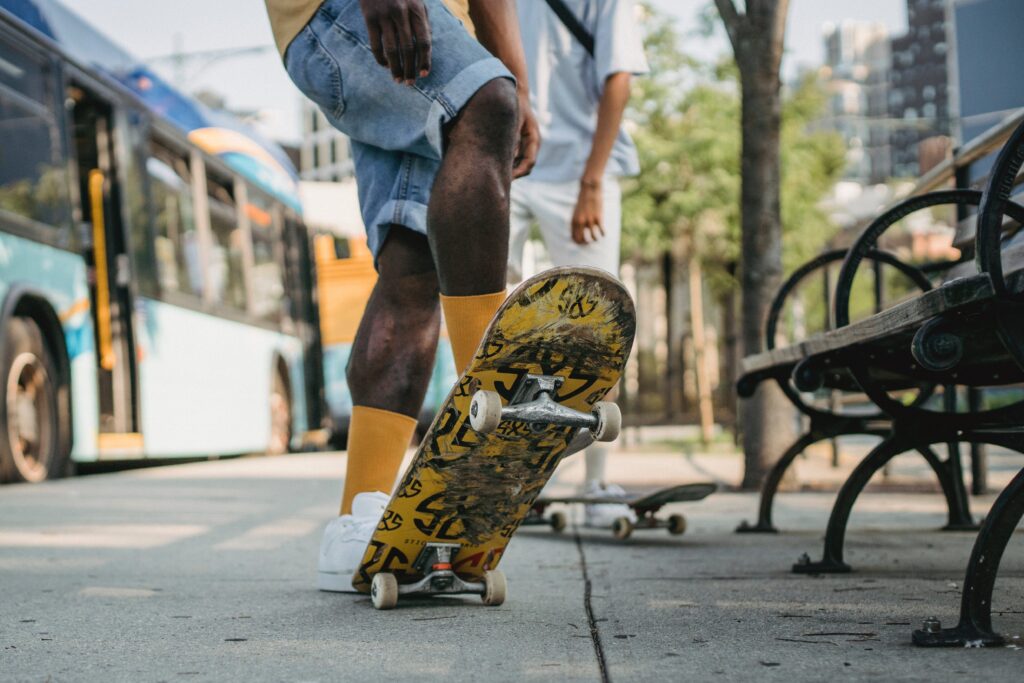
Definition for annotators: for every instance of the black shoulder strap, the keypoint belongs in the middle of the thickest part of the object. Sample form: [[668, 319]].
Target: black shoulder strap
[[573, 24]]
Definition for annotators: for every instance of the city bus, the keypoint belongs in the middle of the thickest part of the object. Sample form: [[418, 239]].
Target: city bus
[[157, 287]]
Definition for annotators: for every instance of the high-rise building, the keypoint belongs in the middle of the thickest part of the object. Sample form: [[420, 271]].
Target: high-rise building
[[989, 53], [325, 154], [919, 92], [856, 79]]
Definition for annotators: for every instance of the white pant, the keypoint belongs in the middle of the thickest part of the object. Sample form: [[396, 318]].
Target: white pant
[[551, 205]]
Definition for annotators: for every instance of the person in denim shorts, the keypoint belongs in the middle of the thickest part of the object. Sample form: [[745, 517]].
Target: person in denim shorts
[[439, 123]]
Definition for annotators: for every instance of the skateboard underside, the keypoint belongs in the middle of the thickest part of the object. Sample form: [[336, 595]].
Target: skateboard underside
[[645, 507], [472, 490], [684, 493]]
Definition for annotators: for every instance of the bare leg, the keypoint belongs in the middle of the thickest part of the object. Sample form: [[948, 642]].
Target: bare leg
[[393, 354], [468, 217], [469, 207], [596, 458]]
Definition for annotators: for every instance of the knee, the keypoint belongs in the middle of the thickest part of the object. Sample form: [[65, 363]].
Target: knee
[[493, 112], [410, 297], [497, 100], [403, 301]]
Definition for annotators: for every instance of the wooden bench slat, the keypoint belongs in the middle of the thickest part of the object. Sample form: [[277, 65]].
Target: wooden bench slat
[[904, 317]]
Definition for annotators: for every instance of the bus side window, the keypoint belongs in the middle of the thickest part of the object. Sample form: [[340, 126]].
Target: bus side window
[[176, 244], [131, 129], [34, 184], [226, 273], [267, 275]]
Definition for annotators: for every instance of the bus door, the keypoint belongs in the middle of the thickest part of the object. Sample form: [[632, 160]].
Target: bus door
[[110, 275], [304, 310]]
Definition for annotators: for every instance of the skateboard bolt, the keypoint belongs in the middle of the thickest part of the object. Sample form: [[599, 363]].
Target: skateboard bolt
[[931, 625]]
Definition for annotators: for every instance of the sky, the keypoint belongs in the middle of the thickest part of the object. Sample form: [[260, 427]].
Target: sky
[[257, 82]]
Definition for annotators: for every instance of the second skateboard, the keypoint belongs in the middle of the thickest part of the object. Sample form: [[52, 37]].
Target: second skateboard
[[645, 505]]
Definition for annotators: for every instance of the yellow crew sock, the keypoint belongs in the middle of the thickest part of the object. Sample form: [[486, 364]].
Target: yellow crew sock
[[377, 441], [467, 318]]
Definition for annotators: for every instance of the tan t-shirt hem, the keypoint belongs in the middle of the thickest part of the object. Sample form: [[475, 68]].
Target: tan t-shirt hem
[[289, 17]]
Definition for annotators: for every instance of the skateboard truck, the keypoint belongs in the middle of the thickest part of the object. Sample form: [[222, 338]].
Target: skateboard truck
[[435, 564], [623, 527], [534, 403]]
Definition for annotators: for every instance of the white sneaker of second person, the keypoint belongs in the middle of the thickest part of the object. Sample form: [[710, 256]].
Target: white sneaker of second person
[[602, 515]]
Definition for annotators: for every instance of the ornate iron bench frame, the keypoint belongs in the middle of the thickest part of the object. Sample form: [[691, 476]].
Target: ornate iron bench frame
[[967, 332]]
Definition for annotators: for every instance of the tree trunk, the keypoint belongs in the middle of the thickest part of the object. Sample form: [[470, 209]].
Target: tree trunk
[[676, 305], [730, 359], [766, 418], [757, 36], [707, 416]]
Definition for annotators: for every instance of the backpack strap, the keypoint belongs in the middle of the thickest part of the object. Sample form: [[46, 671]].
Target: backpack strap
[[575, 26]]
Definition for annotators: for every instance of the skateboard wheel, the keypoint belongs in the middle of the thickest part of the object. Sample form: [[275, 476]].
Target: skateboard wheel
[[609, 421], [384, 591], [485, 411], [622, 528], [558, 521], [677, 525], [495, 587]]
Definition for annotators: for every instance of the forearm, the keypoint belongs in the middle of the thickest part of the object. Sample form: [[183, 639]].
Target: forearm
[[609, 119], [497, 29]]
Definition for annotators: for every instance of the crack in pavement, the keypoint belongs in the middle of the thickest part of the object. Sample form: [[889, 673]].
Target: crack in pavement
[[595, 633]]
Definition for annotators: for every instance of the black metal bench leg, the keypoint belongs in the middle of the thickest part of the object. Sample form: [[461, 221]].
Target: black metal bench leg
[[975, 627], [979, 459], [953, 486], [979, 469], [950, 474], [772, 482], [832, 562]]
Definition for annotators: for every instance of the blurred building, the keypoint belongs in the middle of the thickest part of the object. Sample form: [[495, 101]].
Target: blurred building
[[856, 76], [325, 155], [327, 183], [332, 208], [989, 53], [920, 92]]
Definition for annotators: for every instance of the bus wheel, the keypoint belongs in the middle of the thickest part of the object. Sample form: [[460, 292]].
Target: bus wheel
[[280, 415], [29, 445]]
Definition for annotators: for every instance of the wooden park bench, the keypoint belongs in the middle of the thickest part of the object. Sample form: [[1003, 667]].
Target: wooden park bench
[[911, 358]]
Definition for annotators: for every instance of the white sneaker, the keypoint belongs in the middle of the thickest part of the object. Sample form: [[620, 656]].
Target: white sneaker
[[601, 515], [345, 540]]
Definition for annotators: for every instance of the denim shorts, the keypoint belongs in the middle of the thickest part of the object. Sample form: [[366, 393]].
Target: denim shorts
[[395, 129]]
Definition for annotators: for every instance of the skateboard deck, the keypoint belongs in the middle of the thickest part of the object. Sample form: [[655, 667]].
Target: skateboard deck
[[472, 489], [684, 493]]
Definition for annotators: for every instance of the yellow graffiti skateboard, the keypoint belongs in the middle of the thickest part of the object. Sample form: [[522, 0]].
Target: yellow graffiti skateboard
[[554, 349]]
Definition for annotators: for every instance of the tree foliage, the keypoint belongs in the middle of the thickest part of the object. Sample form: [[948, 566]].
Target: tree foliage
[[685, 121]]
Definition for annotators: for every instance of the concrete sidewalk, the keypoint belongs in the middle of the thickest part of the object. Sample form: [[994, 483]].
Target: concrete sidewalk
[[205, 571]]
